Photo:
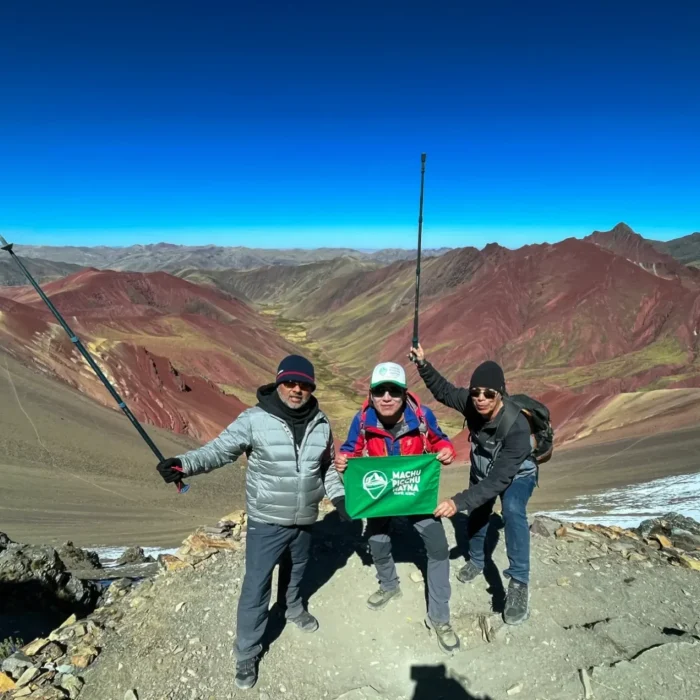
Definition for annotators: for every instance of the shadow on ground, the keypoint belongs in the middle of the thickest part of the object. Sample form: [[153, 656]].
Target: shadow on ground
[[491, 573], [436, 683]]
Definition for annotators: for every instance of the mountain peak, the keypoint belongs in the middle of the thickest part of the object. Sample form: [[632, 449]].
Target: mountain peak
[[622, 229]]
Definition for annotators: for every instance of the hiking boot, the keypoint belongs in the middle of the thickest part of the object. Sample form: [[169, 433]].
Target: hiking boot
[[517, 603], [468, 572], [246, 674], [380, 599], [306, 622], [447, 640]]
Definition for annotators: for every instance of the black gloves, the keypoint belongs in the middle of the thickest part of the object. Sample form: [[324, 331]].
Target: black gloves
[[170, 470], [339, 505]]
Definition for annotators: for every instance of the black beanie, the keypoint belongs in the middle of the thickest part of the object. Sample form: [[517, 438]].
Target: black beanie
[[295, 368], [489, 375]]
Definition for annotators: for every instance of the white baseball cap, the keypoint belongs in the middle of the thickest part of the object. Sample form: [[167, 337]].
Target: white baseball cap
[[388, 373]]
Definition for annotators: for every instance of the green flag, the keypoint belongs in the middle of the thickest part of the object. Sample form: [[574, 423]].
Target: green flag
[[377, 487]]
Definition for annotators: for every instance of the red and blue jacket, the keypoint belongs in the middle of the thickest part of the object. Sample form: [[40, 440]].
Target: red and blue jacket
[[421, 433]]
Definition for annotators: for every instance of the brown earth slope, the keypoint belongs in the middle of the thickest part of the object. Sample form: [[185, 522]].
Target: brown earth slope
[[170, 347], [73, 470]]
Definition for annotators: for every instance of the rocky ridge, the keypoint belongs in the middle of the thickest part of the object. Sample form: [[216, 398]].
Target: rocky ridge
[[613, 616]]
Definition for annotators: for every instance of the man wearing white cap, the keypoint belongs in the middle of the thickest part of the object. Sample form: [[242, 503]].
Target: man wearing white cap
[[393, 422]]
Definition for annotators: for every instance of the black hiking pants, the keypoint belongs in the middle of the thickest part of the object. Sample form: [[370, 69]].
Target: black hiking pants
[[434, 539], [266, 545]]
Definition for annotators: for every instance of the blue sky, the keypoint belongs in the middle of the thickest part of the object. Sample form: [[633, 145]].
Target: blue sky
[[301, 124]]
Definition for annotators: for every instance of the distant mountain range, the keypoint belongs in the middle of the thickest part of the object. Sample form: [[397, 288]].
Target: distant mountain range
[[41, 270], [169, 257], [574, 323]]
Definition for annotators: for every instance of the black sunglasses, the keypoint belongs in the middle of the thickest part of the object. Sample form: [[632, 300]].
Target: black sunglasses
[[488, 393], [304, 386], [394, 391]]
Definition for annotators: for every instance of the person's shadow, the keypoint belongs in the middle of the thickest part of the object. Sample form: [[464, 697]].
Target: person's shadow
[[333, 542], [491, 572], [433, 683]]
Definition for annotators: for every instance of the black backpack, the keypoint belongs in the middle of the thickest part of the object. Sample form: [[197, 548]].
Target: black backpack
[[538, 417]]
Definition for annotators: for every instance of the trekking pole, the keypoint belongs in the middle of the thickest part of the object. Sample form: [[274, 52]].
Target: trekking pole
[[414, 343], [181, 486]]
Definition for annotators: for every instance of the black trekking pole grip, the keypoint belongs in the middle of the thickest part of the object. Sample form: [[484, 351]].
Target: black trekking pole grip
[[181, 486]]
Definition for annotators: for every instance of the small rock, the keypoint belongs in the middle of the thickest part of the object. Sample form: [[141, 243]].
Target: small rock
[[283, 689], [539, 527], [70, 621], [515, 689], [663, 540], [133, 555], [689, 562], [72, 685], [417, 577], [16, 664], [561, 532], [65, 668], [131, 695], [636, 556], [563, 581], [35, 647], [179, 606], [586, 681], [171, 563], [47, 694], [28, 676], [6, 683], [83, 657]]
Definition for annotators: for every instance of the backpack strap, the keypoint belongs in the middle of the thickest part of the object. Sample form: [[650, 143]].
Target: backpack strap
[[363, 415], [414, 402], [510, 415]]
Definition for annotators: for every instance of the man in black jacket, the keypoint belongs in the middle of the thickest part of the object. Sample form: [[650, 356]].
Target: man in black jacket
[[501, 465]]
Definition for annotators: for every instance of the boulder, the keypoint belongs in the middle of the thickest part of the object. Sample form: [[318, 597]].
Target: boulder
[[75, 558], [683, 532], [34, 580], [134, 555]]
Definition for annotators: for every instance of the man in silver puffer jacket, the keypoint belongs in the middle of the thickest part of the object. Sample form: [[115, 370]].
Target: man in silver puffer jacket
[[289, 445]]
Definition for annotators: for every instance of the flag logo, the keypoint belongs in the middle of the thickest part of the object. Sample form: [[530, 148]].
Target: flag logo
[[375, 483]]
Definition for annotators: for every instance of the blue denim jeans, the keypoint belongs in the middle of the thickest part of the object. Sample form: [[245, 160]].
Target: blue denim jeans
[[514, 504]]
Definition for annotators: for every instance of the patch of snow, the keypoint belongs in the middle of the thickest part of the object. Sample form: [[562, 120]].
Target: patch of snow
[[109, 555], [629, 505]]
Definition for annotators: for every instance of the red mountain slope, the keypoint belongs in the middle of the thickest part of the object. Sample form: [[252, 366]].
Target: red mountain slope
[[628, 244], [167, 344], [573, 322]]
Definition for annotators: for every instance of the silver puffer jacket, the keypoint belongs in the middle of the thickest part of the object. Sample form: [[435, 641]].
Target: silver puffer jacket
[[283, 485]]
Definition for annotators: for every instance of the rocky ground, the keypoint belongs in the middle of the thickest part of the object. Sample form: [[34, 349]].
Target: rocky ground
[[614, 616]]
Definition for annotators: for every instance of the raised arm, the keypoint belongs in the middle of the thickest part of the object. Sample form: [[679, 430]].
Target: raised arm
[[442, 390]]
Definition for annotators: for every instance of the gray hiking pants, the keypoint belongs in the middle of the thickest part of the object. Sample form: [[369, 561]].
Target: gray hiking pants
[[266, 544], [433, 534]]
